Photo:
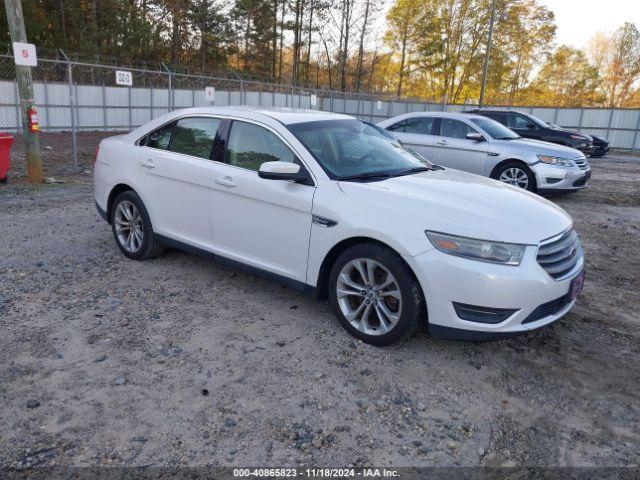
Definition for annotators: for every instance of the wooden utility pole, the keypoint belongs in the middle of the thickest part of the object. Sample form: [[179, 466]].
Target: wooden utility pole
[[485, 64], [15, 20]]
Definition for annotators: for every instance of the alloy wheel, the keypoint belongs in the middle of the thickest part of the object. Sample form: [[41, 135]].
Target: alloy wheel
[[369, 296], [128, 226], [515, 176]]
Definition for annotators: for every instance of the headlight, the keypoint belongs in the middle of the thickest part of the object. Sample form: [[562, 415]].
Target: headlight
[[579, 137], [551, 160], [496, 252]]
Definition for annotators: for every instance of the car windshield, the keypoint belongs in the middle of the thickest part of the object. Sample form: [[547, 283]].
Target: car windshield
[[495, 129], [350, 149]]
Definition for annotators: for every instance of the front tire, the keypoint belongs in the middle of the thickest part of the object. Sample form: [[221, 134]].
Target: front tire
[[516, 174], [375, 295], [132, 228]]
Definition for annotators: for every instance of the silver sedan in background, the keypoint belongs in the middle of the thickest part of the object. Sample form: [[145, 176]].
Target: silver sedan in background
[[477, 144]]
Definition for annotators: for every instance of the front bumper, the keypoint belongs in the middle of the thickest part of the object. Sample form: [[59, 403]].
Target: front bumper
[[446, 279], [553, 178], [600, 150]]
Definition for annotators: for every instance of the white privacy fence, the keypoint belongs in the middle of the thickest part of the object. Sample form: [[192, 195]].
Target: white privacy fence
[[76, 96]]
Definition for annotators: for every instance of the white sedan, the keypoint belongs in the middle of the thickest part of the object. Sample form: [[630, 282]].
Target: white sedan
[[330, 205]]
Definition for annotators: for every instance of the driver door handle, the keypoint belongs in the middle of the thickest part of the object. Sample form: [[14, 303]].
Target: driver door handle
[[226, 181], [442, 142]]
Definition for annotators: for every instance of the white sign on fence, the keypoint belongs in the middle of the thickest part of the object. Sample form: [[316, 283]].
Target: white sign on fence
[[124, 78], [210, 94], [25, 54], [314, 100], [379, 105]]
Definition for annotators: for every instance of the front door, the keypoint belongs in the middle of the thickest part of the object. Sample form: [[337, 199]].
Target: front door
[[454, 150], [524, 126], [262, 223]]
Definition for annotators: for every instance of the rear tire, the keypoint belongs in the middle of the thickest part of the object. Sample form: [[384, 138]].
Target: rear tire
[[517, 174], [132, 227], [375, 295]]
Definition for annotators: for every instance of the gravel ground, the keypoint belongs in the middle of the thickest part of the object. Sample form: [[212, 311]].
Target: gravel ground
[[179, 361]]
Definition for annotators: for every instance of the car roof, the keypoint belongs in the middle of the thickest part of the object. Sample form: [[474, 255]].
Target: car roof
[[285, 116], [458, 115], [497, 110]]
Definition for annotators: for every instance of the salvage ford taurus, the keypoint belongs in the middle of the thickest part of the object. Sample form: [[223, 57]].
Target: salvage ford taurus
[[330, 205]]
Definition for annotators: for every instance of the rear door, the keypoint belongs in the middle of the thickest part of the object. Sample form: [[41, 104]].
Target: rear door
[[452, 148], [177, 177], [258, 222], [416, 133]]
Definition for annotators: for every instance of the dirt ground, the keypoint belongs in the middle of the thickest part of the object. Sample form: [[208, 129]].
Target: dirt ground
[[179, 361]]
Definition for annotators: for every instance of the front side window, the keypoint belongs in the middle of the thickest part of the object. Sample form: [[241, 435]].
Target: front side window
[[495, 129], [452, 128], [251, 145], [346, 148], [521, 122], [160, 138], [195, 136]]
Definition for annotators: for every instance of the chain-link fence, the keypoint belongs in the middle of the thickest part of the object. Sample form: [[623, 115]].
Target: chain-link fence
[[77, 96]]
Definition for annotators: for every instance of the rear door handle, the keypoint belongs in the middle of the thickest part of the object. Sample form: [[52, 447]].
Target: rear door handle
[[226, 181], [148, 164], [442, 142]]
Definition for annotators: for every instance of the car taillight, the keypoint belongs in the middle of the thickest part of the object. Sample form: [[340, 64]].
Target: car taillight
[[95, 154]]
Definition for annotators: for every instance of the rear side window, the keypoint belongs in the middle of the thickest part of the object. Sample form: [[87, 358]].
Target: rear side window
[[420, 125], [423, 125], [195, 136], [498, 117], [251, 145], [160, 138]]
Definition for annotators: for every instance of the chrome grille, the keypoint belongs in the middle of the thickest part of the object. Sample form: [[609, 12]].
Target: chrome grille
[[560, 256], [582, 163]]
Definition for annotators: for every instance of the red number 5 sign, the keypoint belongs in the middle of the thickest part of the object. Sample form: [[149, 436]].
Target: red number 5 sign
[[25, 54]]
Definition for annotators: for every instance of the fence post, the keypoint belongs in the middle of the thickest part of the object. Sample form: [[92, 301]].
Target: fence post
[[635, 135], [170, 92], [74, 140], [46, 102], [580, 119], [16, 98], [610, 121], [129, 100], [104, 105]]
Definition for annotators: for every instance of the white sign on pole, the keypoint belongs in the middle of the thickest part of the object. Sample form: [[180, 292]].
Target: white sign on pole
[[379, 105], [210, 94], [124, 78], [25, 54], [314, 100]]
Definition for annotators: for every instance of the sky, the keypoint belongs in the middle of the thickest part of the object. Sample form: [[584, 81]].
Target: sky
[[578, 20]]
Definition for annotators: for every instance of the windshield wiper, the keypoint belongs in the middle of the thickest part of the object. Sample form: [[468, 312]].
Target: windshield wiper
[[365, 176], [508, 138]]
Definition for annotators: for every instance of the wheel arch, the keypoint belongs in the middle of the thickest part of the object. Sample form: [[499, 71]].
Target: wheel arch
[[498, 166], [322, 282], [115, 191]]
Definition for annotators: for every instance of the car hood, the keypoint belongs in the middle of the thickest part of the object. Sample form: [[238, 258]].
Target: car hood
[[461, 203], [545, 148]]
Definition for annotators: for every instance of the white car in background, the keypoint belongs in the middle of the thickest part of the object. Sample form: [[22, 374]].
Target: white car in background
[[329, 205], [477, 144]]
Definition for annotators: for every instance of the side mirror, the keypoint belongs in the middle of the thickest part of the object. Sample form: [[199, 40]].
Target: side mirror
[[478, 137], [284, 171], [531, 126]]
